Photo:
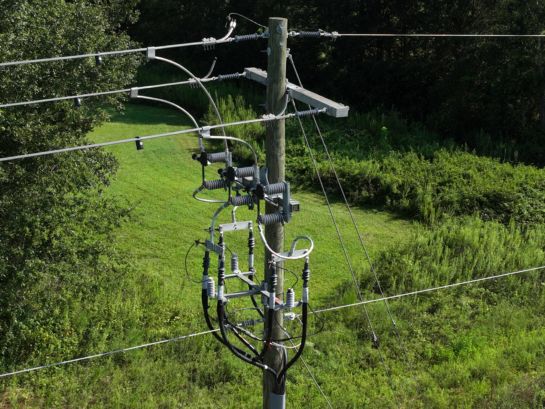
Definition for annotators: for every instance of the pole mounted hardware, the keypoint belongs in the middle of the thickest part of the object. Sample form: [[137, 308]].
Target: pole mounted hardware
[[301, 94]]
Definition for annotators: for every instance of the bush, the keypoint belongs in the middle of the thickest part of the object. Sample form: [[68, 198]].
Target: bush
[[455, 183], [466, 248]]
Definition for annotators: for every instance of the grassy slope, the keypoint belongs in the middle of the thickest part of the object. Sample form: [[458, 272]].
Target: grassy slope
[[468, 352], [197, 372]]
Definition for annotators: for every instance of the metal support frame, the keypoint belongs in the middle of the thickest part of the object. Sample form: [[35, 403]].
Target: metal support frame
[[301, 94]]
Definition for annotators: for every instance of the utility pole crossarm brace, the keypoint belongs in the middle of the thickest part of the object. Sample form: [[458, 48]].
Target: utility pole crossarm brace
[[303, 95]]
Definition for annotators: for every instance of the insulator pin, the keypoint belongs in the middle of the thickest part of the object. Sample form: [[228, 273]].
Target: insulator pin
[[246, 37], [268, 219], [234, 263], [227, 77], [211, 288], [290, 299], [245, 200], [217, 157], [215, 184]]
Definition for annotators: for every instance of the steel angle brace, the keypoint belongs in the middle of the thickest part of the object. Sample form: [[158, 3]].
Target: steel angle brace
[[301, 94]]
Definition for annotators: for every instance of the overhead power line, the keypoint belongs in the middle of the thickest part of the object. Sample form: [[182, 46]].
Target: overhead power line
[[142, 138], [207, 42], [375, 339], [107, 353], [430, 289], [444, 35], [362, 244], [96, 94]]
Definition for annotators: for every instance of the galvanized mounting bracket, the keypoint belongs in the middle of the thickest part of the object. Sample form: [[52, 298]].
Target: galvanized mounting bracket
[[236, 226], [213, 247], [334, 109], [209, 43]]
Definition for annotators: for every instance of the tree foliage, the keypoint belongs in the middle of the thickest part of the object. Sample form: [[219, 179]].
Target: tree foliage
[[460, 86], [55, 226]]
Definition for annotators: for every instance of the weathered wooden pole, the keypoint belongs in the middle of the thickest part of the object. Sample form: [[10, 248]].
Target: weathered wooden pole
[[276, 163]]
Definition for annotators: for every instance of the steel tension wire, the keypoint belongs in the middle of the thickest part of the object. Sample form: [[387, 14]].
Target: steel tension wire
[[364, 248], [346, 256]]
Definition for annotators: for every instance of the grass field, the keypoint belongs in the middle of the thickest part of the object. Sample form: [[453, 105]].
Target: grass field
[[196, 372], [479, 346]]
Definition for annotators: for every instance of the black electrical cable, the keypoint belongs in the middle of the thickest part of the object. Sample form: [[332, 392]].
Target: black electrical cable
[[185, 264], [301, 348], [239, 354], [299, 336], [289, 271]]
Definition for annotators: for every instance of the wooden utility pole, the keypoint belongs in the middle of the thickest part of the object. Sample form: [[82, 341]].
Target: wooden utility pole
[[276, 163]]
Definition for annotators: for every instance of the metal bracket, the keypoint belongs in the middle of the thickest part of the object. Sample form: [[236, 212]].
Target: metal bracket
[[236, 226], [150, 53], [213, 247], [301, 94], [134, 92], [279, 28]]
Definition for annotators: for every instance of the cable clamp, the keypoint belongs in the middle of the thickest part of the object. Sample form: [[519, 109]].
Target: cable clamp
[[193, 84], [268, 120], [209, 43], [150, 53], [334, 35], [134, 92], [204, 132]]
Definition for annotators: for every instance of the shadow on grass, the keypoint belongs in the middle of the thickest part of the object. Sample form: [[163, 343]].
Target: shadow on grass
[[149, 115]]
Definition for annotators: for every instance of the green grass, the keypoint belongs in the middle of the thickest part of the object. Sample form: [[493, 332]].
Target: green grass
[[196, 372], [479, 346]]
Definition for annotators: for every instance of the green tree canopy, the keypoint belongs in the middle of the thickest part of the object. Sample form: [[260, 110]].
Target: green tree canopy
[[55, 227]]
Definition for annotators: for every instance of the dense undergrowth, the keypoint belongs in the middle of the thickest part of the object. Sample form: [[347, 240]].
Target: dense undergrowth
[[473, 346]]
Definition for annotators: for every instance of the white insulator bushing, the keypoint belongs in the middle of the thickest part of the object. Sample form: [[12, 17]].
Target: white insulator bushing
[[290, 299], [211, 288]]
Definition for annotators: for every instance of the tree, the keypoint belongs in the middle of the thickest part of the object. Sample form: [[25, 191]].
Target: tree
[[56, 229]]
